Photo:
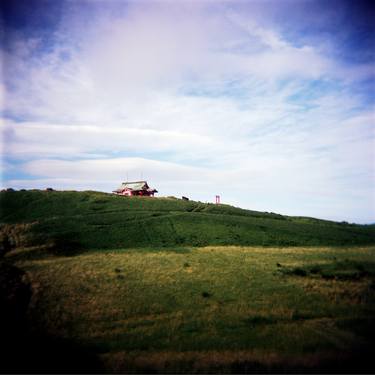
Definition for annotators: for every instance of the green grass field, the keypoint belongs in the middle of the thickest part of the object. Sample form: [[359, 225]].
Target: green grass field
[[223, 309], [164, 285], [93, 220]]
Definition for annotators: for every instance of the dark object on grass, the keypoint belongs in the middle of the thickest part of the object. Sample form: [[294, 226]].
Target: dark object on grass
[[260, 320], [278, 265], [186, 265], [49, 189], [5, 244], [328, 276], [66, 244], [315, 269], [360, 268], [298, 315], [206, 295], [185, 198], [118, 270], [299, 272]]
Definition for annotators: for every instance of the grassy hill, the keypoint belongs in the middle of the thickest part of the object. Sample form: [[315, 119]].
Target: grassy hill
[[93, 282], [94, 220]]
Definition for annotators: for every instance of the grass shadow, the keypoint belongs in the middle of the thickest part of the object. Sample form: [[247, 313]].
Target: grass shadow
[[348, 270], [25, 350]]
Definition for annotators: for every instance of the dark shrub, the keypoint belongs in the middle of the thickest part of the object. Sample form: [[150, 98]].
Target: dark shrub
[[298, 315], [328, 276], [299, 272], [315, 269], [258, 320], [65, 244], [5, 244]]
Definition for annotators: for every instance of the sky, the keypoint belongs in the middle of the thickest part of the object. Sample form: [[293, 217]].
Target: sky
[[269, 104]]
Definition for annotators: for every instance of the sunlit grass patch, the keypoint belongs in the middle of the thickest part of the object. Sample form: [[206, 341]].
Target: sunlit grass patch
[[204, 300]]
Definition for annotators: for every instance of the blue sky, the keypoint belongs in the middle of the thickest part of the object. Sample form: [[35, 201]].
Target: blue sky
[[269, 104]]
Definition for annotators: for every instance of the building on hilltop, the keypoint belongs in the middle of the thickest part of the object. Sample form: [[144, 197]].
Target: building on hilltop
[[135, 188]]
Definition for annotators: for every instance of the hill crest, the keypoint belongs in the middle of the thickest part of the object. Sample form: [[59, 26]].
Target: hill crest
[[96, 220]]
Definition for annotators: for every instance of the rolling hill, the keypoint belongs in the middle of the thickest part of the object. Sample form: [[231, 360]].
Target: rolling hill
[[96, 283], [73, 221]]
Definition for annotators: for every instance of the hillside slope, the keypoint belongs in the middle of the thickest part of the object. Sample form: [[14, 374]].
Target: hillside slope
[[94, 220]]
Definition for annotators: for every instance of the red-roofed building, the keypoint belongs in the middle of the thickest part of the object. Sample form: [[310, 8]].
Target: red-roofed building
[[136, 188]]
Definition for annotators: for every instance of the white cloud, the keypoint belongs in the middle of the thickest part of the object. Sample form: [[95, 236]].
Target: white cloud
[[120, 62], [197, 100]]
